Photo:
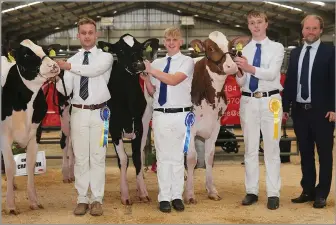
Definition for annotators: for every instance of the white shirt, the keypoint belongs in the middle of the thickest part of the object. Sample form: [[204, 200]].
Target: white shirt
[[98, 70], [272, 54], [177, 96], [312, 54]]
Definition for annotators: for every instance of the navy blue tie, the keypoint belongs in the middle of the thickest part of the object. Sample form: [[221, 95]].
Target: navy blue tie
[[84, 81], [305, 74], [256, 62], [163, 87]]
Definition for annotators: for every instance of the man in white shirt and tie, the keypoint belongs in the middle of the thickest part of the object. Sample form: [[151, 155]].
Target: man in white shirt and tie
[[260, 108], [171, 76], [86, 75]]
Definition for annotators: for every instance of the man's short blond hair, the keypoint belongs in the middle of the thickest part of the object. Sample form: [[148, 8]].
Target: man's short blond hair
[[86, 20], [257, 14], [320, 19], [174, 32]]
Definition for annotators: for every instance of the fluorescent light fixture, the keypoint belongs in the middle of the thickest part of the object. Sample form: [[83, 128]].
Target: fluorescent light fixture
[[159, 49], [179, 11], [318, 3], [57, 28], [98, 16], [218, 21], [196, 15], [115, 11], [237, 25], [284, 6], [61, 50], [291, 47], [20, 6]]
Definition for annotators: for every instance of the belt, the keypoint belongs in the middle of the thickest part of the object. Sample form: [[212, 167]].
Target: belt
[[91, 107], [173, 110], [305, 106], [259, 94]]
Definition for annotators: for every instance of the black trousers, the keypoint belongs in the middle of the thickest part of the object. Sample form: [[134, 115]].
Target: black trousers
[[312, 128]]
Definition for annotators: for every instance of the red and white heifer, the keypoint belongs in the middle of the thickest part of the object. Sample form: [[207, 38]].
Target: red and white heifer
[[209, 103], [23, 108]]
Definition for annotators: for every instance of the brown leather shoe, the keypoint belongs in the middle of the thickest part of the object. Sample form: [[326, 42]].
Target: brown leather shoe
[[96, 209], [81, 209]]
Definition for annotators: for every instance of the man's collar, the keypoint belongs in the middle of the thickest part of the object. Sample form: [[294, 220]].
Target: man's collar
[[174, 56], [314, 45], [93, 50], [262, 42]]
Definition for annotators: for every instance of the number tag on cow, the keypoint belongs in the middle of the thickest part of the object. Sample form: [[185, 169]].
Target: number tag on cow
[[189, 121], [105, 114], [21, 167]]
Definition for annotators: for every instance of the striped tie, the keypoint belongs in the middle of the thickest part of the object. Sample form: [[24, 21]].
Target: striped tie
[[84, 82]]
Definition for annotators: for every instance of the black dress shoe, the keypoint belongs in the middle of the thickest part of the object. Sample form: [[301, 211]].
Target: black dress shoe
[[178, 205], [303, 198], [320, 203], [273, 202], [165, 206], [250, 199]]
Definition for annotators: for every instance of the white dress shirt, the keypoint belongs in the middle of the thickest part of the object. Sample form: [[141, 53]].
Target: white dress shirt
[[272, 54], [98, 71], [177, 96], [312, 54]]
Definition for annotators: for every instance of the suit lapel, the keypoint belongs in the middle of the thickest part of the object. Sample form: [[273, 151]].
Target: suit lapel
[[319, 55]]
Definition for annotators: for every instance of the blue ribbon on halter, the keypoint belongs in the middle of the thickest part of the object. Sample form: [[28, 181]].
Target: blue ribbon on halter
[[189, 121], [105, 114]]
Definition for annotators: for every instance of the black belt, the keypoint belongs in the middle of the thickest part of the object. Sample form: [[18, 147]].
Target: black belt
[[91, 107], [173, 110], [259, 94], [305, 106]]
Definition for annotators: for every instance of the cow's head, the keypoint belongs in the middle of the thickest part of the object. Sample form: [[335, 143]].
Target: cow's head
[[132, 53], [217, 53], [237, 44], [33, 61]]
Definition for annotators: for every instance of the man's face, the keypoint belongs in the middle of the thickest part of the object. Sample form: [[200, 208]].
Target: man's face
[[257, 26], [87, 35], [172, 44], [311, 30]]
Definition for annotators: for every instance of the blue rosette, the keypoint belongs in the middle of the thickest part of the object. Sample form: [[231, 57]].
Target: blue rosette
[[105, 114], [189, 121]]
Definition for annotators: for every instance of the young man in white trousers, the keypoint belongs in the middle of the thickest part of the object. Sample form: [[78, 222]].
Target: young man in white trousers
[[169, 82], [86, 75], [260, 108]]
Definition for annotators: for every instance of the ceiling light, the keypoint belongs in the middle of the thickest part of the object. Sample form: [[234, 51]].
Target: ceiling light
[[179, 11], [19, 7], [76, 23], [196, 15], [284, 6], [218, 21], [318, 3], [98, 16], [115, 11], [237, 25], [57, 28], [291, 47]]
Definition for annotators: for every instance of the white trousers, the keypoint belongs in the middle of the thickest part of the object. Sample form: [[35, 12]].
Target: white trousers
[[89, 170], [255, 115], [169, 133]]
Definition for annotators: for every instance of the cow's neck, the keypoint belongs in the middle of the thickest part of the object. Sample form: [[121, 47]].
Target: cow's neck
[[35, 84], [129, 40], [217, 80]]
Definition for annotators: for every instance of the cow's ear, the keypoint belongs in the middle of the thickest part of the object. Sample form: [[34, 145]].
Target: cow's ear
[[106, 46], [239, 43], [150, 48], [197, 45]]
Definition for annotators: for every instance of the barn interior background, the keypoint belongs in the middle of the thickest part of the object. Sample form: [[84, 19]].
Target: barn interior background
[[51, 23]]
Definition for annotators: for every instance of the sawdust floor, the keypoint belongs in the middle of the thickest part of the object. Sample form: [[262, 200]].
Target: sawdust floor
[[59, 199]]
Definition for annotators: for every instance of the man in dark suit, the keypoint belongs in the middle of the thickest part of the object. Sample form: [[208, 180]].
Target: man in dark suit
[[310, 90]]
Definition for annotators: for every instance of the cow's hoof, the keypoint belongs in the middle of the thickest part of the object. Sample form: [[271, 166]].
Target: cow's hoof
[[191, 201], [72, 179], [214, 197], [34, 207], [13, 212], [126, 202], [145, 199]]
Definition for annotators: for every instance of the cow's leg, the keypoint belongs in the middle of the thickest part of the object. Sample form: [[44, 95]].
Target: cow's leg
[[145, 124], [6, 142], [31, 160], [138, 163], [123, 165], [209, 160], [191, 162]]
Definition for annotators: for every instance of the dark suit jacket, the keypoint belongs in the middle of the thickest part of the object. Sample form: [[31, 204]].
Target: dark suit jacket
[[322, 79]]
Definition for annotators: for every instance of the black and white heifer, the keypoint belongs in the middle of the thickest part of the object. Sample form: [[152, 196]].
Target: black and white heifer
[[127, 105], [23, 108]]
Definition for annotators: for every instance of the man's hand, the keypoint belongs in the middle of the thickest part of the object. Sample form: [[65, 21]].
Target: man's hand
[[243, 64], [55, 79], [144, 76], [148, 66], [285, 116], [331, 116], [63, 65]]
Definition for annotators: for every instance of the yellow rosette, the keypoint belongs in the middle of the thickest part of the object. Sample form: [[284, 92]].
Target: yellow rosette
[[274, 106]]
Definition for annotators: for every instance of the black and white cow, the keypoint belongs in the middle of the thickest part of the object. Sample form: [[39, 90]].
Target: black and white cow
[[127, 106], [23, 108]]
